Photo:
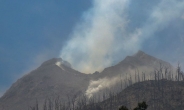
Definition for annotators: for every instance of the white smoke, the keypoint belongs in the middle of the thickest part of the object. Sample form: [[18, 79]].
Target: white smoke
[[164, 14], [58, 63], [102, 37], [124, 78], [100, 84], [98, 39]]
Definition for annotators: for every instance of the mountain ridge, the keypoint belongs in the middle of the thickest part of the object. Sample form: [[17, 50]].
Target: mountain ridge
[[56, 77], [139, 61]]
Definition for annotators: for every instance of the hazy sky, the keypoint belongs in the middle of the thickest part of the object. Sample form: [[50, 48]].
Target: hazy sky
[[34, 31]]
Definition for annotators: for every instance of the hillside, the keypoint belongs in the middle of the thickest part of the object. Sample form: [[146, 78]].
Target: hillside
[[140, 64], [51, 79], [139, 61], [159, 95]]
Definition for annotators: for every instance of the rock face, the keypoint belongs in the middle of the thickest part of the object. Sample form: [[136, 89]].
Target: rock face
[[55, 77]]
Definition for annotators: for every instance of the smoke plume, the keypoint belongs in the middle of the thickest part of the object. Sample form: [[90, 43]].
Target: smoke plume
[[100, 84], [103, 37]]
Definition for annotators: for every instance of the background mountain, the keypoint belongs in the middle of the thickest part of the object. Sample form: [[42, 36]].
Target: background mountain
[[56, 77], [141, 62], [115, 76]]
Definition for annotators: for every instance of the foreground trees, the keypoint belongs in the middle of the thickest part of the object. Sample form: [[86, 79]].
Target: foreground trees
[[140, 106]]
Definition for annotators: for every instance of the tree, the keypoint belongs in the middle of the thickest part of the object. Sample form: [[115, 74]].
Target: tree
[[141, 106], [123, 108]]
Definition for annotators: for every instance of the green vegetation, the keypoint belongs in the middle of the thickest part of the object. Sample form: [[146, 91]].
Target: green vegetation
[[141, 106], [123, 108]]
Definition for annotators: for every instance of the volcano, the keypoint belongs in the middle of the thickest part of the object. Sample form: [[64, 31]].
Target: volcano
[[56, 78]]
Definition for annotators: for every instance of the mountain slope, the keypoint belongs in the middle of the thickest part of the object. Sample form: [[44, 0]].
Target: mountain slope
[[128, 70], [49, 80], [140, 61], [55, 78], [159, 95]]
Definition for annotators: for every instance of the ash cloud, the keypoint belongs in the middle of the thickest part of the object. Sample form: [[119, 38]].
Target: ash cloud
[[103, 37], [100, 84], [98, 39]]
